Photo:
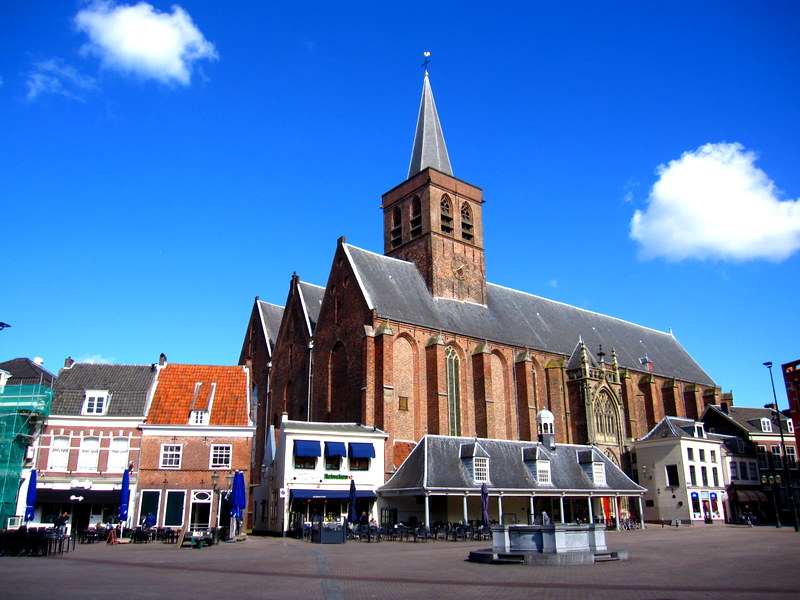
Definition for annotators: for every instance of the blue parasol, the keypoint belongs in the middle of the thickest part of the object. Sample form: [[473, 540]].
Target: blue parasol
[[238, 497], [124, 496], [30, 498], [352, 516], [485, 503]]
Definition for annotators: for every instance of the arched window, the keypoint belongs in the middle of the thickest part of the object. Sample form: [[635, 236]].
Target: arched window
[[453, 370], [605, 419], [397, 227], [416, 217], [467, 232], [446, 209]]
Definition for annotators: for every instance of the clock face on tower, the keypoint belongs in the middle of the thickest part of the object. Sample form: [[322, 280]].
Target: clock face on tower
[[460, 268]]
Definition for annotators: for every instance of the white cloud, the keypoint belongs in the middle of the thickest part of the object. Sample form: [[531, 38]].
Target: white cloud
[[96, 359], [142, 40], [55, 77], [714, 203]]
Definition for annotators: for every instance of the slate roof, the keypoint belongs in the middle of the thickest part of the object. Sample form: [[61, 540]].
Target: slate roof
[[396, 290], [429, 149], [129, 387], [749, 419], [26, 372], [175, 396], [311, 296], [436, 464], [679, 428], [271, 316]]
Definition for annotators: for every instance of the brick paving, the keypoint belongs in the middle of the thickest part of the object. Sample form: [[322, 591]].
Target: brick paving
[[665, 563]]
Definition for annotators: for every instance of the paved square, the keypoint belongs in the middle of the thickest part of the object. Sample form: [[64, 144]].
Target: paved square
[[686, 563]]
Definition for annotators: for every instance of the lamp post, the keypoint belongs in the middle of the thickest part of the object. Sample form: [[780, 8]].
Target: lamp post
[[786, 470], [773, 480]]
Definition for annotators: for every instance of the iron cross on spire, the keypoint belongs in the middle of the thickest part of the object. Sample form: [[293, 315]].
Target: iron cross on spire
[[425, 62]]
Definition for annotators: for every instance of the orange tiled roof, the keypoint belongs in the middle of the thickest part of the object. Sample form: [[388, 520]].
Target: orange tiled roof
[[175, 396], [401, 452]]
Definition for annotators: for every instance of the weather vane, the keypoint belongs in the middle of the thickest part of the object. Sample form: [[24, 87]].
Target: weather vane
[[425, 62]]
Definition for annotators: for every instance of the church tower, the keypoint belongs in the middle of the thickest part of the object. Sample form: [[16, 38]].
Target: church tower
[[435, 220]]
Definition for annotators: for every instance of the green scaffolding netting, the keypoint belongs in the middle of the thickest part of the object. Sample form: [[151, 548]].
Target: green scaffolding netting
[[22, 412]]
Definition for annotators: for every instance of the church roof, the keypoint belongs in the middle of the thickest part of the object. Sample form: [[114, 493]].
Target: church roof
[[311, 296], [439, 463], [395, 290], [429, 147], [271, 316]]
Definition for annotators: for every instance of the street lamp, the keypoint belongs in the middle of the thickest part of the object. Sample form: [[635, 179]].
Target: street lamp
[[773, 480], [786, 470]]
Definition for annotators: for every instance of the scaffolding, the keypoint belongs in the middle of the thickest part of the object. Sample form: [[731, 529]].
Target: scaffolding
[[23, 409]]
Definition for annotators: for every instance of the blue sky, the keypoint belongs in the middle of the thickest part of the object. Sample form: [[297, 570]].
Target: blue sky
[[161, 166]]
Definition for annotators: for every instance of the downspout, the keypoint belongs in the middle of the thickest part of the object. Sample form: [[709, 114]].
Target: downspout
[[310, 361]]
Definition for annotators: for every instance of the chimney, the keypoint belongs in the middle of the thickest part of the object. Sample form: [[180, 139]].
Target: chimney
[[724, 407], [162, 360], [69, 362]]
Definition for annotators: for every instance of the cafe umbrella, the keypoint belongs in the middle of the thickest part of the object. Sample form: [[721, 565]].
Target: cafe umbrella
[[238, 499], [30, 498], [124, 496], [352, 516]]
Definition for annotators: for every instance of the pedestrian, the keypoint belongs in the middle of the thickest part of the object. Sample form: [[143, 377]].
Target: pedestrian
[[61, 523]]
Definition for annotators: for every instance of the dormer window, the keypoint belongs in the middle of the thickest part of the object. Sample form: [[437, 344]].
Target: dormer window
[[700, 430], [543, 472], [599, 473], [790, 425], [95, 402], [480, 469], [198, 417], [766, 425]]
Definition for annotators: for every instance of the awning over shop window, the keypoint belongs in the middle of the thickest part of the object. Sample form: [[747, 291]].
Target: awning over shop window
[[330, 494], [750, 496], [362, 450], [335, 449], [307, 448]]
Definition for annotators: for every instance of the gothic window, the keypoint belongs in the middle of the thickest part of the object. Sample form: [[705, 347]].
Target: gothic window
[[466, 223], [605, 419], [446, 215], [453, 391], [397, 227], [416, 217]]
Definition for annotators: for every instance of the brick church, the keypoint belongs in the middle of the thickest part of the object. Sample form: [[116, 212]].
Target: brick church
[[415, 340]]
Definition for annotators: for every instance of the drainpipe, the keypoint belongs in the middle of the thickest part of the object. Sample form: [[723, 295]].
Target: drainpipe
[[310, 359]]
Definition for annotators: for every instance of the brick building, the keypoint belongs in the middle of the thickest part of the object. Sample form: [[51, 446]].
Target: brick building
[[416, 341], [791, 378], [198, 433], [92, 435]]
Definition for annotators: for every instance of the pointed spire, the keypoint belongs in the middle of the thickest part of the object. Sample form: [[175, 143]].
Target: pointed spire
[[429, 147]]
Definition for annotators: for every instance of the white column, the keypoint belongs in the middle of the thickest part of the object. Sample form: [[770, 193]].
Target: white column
[[427, 511], [616, 511], [465, 509], [500, 509], [591, 511], [532, 513], [561, 504], [641, 513]]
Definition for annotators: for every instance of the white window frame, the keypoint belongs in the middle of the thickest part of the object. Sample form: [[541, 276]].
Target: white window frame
[[712, 456], [169, 454], [543, 474], [734, 467], [480, 469], [766, 425], [791, 457], [95, 402], [218, 450], [790, 425], [777, 456], [60, 449], [761, 453], [198, 417], [599, 473], [118, 452], [89, 454]]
